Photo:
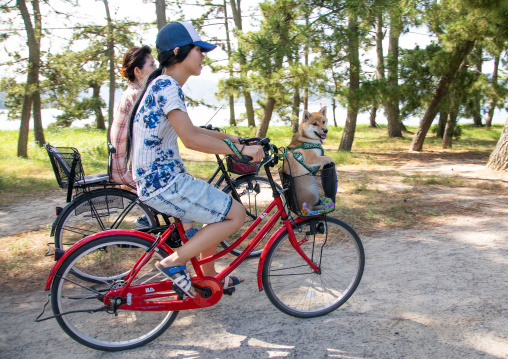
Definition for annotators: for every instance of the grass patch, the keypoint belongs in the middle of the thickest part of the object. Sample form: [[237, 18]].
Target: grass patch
[[21, 177], [23, 265], [447, 181]]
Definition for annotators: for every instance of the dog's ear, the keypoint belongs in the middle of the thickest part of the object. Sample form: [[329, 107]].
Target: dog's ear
[[306, 115], [323, 111]]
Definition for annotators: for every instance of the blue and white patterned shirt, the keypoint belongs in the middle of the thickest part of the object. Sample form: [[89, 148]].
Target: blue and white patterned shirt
[[156, 160]]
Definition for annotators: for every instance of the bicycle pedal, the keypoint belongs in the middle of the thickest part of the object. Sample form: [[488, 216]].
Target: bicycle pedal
[[229, 291], [177, 290]]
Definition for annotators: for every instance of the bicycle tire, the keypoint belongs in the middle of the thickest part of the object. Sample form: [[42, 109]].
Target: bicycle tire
[[290, 283], [255, 202], [107, 257], [81, 217]]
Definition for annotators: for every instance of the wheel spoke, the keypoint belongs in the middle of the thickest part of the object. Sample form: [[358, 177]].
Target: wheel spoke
[[72, 296], [313, 294]]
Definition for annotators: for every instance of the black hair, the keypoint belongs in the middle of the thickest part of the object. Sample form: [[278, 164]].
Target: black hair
[[166, 59], [134, 57]]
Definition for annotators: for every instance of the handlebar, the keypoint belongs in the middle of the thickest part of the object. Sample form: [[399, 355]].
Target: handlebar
[[267, 148], [263, 142]]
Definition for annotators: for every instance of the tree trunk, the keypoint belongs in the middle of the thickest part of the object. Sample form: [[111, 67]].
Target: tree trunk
[[99, 117], [372, 118], [451, 121], [306, 62], [267, 116], [493, 100], [295, 110], [499, 158], [232, 120], [392, 104], [334, 107], [38, 130], [31, 86], [160, 11], [112, 81], [450, 127], [443, 118], [348, 135], [380, 67], [474, 103], [441, 90], [249, 107]]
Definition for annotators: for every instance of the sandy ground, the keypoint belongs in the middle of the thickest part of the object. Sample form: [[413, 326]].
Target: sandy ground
[[430, 293]]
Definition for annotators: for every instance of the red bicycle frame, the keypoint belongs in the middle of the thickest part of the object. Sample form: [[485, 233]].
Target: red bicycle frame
[[147, 297]]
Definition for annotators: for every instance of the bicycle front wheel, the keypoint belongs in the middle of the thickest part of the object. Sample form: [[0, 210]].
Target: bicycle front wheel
[[97, 211], [291, 284], [256, 195], [75, 301]]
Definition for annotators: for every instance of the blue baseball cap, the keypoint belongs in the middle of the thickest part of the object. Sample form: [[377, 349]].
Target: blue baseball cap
[[180, 33]]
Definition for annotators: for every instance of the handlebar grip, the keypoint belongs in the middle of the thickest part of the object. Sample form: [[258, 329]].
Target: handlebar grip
[[246, 140]]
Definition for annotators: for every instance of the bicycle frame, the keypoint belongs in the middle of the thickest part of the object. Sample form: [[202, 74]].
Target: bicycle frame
[[146, 297]]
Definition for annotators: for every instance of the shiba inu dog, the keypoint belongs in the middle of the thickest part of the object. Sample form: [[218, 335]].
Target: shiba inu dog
[[306, 156]]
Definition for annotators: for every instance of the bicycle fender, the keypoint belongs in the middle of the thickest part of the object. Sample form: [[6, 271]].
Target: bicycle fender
[[59, 216], [112, 232], [268, 245]]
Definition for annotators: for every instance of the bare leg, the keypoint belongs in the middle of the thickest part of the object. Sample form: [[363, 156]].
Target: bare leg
[[208, 238]]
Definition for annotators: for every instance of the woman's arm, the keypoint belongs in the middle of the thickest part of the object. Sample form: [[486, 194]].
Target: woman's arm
[[217, 134], [196, 139]]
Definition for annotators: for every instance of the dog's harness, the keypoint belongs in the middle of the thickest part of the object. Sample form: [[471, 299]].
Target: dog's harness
[[299, 157]]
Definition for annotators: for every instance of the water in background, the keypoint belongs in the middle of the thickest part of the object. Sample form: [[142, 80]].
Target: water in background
[[202, 115]]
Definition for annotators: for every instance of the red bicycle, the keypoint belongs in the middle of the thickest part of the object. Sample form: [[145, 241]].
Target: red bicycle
[[107, 294]]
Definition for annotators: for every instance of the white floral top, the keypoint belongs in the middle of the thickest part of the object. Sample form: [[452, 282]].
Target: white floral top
[[156, 159]]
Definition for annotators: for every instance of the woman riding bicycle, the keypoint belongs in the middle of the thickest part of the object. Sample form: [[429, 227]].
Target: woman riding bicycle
[[158, 119]]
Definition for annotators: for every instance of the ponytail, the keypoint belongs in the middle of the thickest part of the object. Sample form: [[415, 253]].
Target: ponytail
[[166, 59]]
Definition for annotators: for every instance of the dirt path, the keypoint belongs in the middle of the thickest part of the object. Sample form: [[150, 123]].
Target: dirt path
[[426, 293], [34, 214]]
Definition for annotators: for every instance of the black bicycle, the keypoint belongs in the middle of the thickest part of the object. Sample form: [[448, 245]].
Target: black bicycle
[[100, 204]]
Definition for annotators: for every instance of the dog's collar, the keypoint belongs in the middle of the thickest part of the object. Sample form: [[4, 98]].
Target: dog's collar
[[308, 146]]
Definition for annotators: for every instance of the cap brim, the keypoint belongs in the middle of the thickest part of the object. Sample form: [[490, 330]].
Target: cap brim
[[205, 46]]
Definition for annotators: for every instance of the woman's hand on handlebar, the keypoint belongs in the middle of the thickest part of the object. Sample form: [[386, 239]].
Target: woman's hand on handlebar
[[255, 152]]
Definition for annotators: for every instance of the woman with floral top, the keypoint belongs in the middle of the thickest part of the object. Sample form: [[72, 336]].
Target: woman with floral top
[[158, 119]]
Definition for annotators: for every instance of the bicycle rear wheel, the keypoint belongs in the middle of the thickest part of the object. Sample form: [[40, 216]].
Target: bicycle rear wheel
[[97, 211], [256, 195], [107, 259], [291, 284]]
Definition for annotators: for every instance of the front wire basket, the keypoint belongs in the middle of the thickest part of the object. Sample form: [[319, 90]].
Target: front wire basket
[[310, 194]]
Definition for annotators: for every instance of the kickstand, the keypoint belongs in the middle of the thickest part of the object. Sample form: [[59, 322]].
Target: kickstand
[[37, 320]]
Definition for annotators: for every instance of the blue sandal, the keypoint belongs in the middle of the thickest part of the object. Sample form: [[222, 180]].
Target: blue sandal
[[181, 280], [235, 280]]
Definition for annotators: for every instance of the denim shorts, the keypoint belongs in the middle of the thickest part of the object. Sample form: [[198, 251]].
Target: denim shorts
[[192, 199]]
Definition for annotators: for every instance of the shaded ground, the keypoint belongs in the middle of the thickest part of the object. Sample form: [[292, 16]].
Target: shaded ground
[[436, 289]]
